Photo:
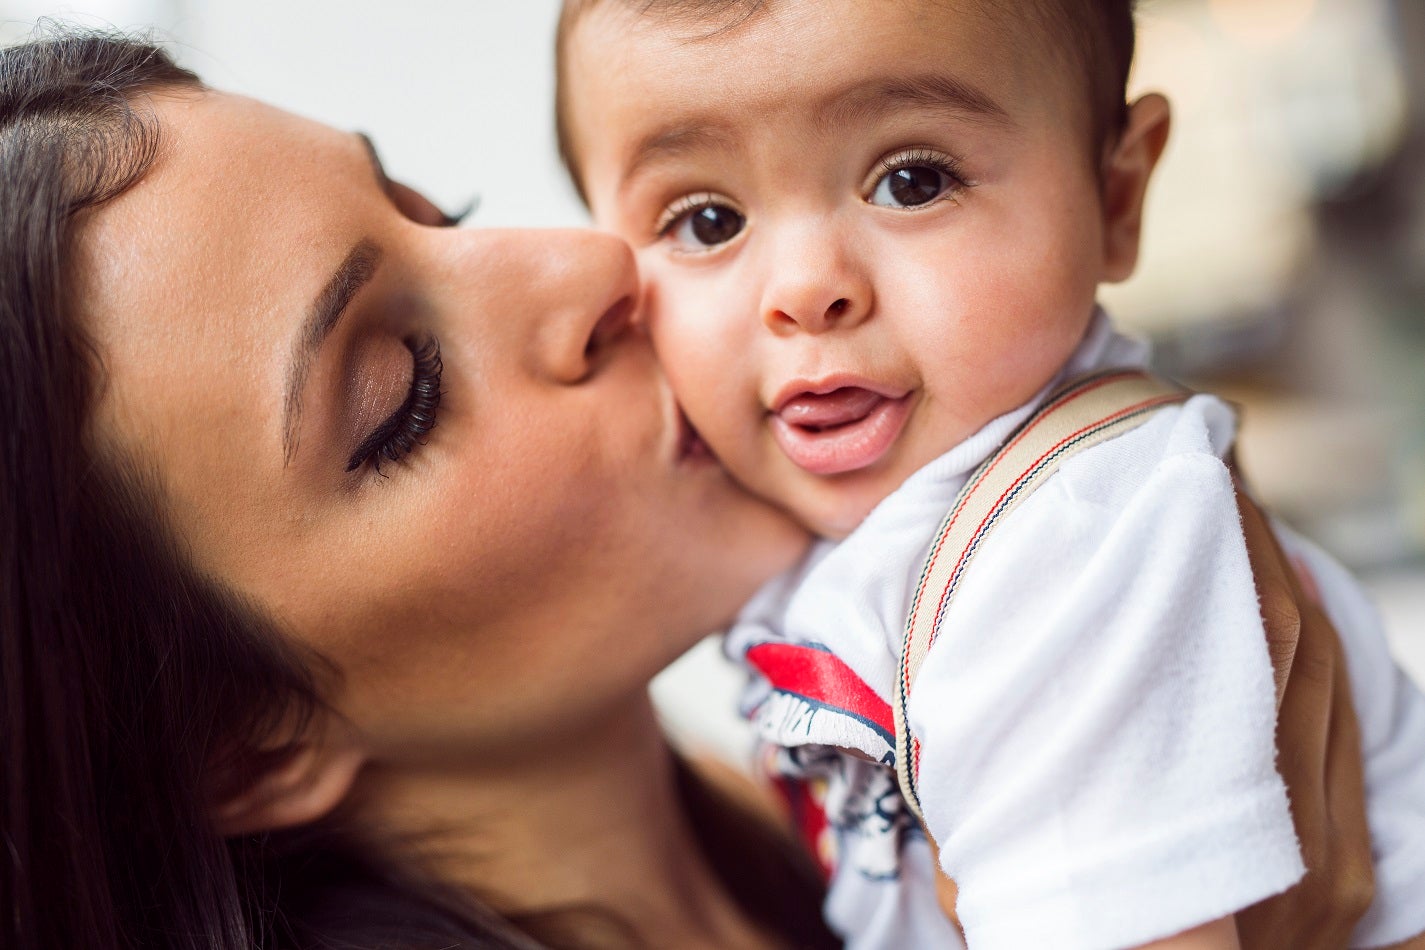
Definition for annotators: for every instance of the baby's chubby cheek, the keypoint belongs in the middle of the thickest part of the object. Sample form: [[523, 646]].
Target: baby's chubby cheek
[[710, 384], [712, 368], [710, 346], [715, 393]]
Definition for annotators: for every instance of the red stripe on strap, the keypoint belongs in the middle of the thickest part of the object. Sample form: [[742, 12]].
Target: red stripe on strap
[[1029, 424], [1017, 484], [819, 676]]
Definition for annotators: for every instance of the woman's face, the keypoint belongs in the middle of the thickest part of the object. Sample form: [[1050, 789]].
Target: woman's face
[[267, 307]]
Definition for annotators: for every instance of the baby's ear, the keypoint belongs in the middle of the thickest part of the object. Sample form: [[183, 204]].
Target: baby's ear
[[1126, 172], [301, 773]]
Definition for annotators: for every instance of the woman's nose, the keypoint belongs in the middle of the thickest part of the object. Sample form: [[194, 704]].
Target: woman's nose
[[575, 292], [816, 283]]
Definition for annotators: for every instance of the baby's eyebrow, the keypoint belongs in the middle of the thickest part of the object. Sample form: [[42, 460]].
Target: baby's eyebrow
[[851, 106], [864, 100], [671, 141]]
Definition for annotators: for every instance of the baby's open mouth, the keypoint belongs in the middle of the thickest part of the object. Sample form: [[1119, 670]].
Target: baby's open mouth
[[842, 430]]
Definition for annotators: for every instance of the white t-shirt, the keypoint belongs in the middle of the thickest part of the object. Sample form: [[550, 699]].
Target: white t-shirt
[[1096, 715]]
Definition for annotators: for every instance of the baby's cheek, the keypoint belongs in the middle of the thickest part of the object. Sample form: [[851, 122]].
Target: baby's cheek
[[694, 353], [706, 340], [678, 332]]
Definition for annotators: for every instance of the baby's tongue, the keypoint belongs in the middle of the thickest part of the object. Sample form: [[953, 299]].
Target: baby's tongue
[[826, 411]]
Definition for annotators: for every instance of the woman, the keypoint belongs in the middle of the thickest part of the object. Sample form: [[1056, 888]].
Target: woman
[[339, 547]]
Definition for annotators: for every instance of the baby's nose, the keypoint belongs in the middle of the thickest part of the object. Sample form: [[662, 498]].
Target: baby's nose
[[816, 287]]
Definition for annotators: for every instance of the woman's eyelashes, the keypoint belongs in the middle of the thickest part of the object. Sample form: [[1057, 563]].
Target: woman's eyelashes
[[453, 219], [420, 209], [404, 429], [700, 222], [916, 178]]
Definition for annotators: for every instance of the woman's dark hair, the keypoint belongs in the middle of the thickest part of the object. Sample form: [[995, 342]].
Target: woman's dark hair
[[122, 672], [127, 679]]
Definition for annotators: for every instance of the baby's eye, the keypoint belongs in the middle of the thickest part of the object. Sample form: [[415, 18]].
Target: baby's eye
[[701, 222], [911, 181]]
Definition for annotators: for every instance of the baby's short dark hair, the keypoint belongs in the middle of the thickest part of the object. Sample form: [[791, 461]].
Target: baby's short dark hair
[[1096, 35]]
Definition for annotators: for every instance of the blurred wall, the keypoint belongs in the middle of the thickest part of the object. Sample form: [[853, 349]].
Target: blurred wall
[[1281, 250], [456, 93]]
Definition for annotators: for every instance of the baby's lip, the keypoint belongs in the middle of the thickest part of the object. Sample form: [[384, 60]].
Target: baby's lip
[[838, 426], [798, 395], [819, 411]]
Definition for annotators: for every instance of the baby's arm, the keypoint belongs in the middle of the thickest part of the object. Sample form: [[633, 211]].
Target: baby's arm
[[1096, 716], [1218, 935], [1318, 751]]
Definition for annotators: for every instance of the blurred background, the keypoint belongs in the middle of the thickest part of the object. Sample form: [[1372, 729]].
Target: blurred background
[[1284, 257]]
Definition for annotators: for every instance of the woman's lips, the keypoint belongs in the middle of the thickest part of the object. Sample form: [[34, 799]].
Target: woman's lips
[[691, 447], [841, 430]]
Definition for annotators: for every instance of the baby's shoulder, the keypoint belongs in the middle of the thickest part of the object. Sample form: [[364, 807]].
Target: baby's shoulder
[[1183, 449], [1159, 498]]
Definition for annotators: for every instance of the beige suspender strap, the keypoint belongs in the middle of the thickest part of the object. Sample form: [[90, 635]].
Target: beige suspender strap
[[1081, 414]]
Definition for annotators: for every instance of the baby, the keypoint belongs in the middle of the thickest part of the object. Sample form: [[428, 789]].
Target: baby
[[872, 233]]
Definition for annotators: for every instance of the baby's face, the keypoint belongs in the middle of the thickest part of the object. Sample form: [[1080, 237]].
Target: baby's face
[[866, 228]]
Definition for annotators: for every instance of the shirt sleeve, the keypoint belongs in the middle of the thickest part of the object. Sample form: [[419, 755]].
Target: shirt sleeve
[[1097, 713]]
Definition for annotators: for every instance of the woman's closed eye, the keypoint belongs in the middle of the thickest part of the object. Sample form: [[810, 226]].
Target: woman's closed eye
[[700, 222], [400, 433], [914, 179]]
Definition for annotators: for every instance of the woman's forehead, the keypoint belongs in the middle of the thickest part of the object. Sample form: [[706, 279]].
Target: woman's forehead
[[193, 283], [211, 252]]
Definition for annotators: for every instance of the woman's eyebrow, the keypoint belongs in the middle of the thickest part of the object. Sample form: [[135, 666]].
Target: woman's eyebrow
[[354, 272]]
